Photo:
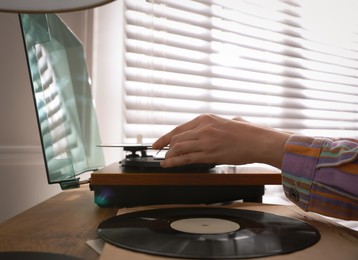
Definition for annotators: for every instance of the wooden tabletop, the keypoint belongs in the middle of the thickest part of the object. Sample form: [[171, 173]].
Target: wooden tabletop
[[65, 222], [60, 225]]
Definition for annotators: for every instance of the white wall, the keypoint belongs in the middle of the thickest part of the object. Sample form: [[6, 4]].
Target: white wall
[[23, 181], [106, 74]]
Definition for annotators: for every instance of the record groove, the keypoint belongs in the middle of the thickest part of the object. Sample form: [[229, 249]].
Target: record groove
[[256, 234]]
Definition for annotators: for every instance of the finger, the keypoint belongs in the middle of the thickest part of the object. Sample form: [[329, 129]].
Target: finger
[[162, 141], [166, 139], [183, 147], [184, 159]]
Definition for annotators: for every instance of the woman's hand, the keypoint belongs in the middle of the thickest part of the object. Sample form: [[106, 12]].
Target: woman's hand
[[213, 139]]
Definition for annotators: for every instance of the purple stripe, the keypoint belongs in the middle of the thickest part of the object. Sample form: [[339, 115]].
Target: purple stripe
[[344, 213], [300, 166], [332, 207], [325, 200], [333, 178]]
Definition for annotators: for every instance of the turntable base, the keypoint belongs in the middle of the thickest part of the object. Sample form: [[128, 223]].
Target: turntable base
[[117, 186], [336, 242]]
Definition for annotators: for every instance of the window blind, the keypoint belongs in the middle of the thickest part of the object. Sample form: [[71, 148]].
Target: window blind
[[290, 65]]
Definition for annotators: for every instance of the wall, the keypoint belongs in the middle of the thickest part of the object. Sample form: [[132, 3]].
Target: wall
[[23, 180], [106, 73]]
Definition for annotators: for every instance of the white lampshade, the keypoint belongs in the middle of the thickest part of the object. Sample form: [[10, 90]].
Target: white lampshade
[[48, 6]]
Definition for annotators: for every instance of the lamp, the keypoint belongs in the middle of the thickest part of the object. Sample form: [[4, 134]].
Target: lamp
[[48, 6]]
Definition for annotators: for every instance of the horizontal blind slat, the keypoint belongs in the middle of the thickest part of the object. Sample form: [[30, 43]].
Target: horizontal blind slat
[[297, 108], [200, 68], [221, 75], [194, 92], [235, 56]]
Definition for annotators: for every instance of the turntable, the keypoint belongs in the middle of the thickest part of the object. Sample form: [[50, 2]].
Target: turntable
[[139, 180]]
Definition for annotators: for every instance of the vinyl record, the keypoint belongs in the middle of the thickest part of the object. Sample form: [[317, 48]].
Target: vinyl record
[[208, 232]]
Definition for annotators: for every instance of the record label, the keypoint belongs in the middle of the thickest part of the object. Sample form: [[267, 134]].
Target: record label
[[204, 225], [208, 232]]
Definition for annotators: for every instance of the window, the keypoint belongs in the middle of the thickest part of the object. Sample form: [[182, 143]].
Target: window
[[292, 65]]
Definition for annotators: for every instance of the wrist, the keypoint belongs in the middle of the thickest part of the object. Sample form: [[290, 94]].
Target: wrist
[[272, 147]]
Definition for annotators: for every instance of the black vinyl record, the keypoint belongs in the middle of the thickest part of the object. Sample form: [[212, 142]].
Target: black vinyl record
[[208, 233]]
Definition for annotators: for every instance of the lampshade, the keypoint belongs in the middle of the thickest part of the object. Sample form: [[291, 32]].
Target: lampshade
[[48, 6]]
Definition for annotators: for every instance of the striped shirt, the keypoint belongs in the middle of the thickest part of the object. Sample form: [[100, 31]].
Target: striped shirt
[[321, 175]]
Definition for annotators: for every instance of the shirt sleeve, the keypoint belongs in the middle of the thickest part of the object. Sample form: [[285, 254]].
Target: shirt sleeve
[[321, 175]]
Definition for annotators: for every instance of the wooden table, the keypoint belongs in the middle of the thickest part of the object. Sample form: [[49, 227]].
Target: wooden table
[[61, 225], [65, 222]]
